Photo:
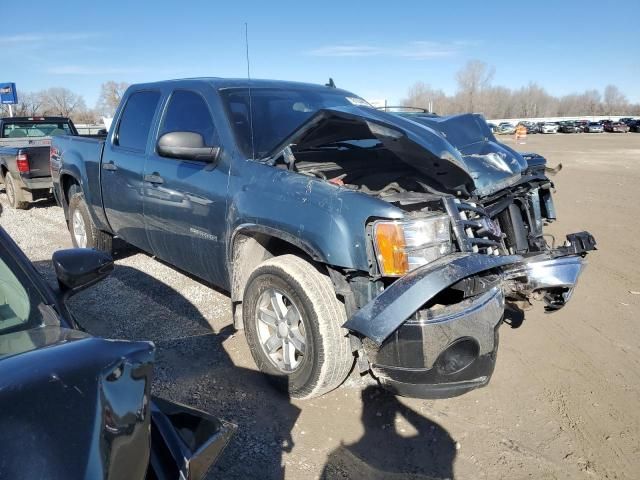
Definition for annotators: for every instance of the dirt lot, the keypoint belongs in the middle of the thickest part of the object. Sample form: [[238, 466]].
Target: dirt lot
[[564, 401]]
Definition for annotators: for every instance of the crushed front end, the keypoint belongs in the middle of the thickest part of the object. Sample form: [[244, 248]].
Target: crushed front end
[[433, 332], [462, 250]]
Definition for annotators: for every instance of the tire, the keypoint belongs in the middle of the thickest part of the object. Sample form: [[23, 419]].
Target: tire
[[80, 221], [14, 194], [309, 298]]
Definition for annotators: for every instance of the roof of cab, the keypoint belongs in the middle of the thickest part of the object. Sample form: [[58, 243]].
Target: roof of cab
[[221, 83], [35, 118]]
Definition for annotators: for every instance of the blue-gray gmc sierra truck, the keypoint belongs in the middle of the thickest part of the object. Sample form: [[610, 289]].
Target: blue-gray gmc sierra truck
[[347, 237]]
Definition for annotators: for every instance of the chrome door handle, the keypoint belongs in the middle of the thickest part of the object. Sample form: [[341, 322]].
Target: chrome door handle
[[109, 166]]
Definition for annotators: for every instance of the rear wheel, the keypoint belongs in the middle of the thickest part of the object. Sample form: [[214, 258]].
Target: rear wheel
[[14, 194], [293, 325], [84, 233]]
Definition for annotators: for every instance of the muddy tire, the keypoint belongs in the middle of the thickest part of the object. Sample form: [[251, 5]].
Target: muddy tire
[[84, 233], [14, 194], [293, 325]]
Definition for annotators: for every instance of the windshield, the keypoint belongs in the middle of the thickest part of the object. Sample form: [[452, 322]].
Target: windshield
[[276, 113], [35, 129]]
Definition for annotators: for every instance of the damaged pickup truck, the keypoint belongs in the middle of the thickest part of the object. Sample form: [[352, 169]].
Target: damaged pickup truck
[[345, 236]]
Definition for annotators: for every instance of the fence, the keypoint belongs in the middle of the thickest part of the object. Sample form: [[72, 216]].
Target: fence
[[85, 129]]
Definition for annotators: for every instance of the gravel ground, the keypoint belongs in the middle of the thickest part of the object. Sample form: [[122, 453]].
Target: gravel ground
[[563, 402]]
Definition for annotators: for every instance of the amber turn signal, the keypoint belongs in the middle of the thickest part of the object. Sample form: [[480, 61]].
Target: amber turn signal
[[390, 248]]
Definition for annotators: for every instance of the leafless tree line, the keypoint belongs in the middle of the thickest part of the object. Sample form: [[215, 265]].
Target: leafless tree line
[[476, 93], [60, 101]]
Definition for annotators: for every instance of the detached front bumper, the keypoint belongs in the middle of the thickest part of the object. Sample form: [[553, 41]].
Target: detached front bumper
[[447, 350], [443, 355]]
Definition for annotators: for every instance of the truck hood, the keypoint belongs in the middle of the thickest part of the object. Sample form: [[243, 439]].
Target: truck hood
[[458, 153]]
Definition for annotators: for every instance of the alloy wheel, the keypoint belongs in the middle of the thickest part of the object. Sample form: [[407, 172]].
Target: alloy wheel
[[281, 330], [79, 230]]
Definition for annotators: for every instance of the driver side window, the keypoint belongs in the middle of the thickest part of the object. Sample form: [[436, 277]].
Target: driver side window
[[188, 112]]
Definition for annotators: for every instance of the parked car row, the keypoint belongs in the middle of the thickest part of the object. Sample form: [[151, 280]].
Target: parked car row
[[623, 125]]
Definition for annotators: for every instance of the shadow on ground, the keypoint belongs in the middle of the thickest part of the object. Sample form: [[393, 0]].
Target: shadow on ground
[[424, 450], [194, 367]]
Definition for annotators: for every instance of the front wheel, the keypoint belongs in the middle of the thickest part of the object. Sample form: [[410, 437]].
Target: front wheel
[[84, 233], [293, 324]]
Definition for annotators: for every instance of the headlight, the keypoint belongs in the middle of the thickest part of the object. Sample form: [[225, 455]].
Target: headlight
[[403, 246]]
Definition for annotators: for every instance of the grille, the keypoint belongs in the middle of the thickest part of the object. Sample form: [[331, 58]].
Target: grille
[[473, 229]]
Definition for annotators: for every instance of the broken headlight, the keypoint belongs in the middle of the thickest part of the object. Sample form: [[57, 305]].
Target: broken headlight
[[402, 246]]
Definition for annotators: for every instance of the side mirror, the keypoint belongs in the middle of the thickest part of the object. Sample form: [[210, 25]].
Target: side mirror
[[79, 268], [187, 146]]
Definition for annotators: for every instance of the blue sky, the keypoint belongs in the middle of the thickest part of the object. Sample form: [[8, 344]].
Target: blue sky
[[376, 49]]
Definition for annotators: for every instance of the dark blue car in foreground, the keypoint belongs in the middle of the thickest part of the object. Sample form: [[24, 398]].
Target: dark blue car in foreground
[[77, 406], [347, 237]]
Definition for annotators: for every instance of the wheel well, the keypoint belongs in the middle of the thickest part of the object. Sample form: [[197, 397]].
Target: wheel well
[[66, 181], [250, 250], [3, 171]]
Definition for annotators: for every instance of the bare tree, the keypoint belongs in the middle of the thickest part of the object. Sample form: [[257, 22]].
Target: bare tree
[[422, 95], [614, 100], [499, 103], [62, 101], [592, 101], [476, 94], [110, 95], [85, 116], [29, 104], [473, 80]]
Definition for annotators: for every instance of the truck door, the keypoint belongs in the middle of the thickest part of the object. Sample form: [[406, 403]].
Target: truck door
[[185, 200], [123, 168]]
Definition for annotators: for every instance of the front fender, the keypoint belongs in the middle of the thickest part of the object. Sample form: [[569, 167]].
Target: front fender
[[326, 221], [251, 229]]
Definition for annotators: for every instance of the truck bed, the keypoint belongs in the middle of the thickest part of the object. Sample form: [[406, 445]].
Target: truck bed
[[88, 148]]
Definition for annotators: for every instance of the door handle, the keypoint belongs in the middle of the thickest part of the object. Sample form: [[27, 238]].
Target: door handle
[[154, 178], [109, 166]]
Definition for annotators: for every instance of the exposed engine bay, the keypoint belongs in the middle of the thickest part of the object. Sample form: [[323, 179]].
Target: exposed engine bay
[[372, 170], [503, 222]]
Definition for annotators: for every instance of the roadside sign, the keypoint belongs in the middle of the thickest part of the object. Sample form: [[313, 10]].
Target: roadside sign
[[8, 93]]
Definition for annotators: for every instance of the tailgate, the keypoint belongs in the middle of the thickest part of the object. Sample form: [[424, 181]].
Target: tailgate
[[38, 153]]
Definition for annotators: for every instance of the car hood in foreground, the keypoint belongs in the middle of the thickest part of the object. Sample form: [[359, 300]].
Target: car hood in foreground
[[458, 153], [74, 406]]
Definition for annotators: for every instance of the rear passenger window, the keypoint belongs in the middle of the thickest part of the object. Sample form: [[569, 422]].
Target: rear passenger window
[[135, 123], [188, 112]]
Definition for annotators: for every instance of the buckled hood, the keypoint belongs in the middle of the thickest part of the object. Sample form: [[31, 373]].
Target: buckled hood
[[458, 153]]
